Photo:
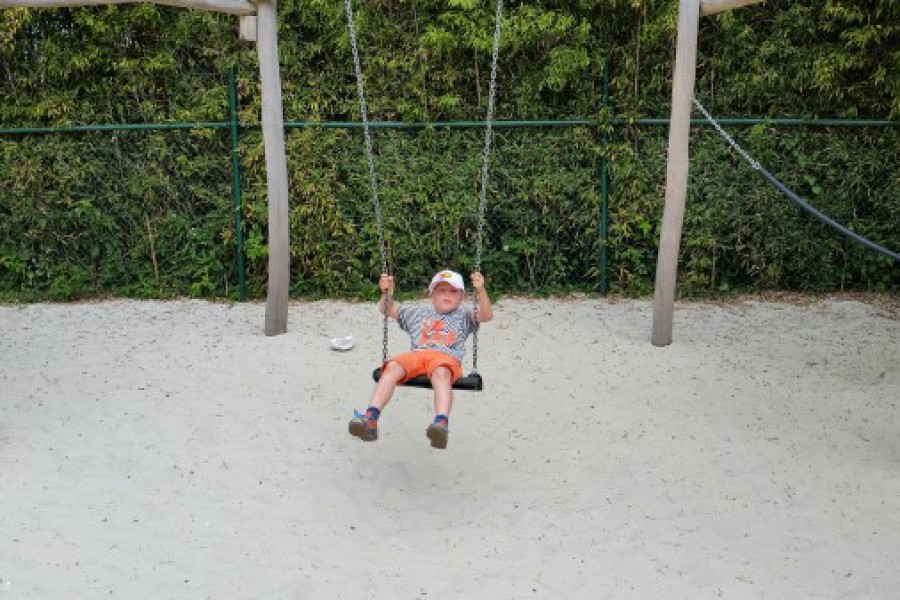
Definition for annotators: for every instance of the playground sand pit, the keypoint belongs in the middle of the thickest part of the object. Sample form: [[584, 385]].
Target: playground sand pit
[[171, 450]]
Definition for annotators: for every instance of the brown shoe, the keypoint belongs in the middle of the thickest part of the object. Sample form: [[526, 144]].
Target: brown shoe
[[437, 433], [363, 427]]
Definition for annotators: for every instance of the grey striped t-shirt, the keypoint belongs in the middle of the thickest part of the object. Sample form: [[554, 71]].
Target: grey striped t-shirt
[[429, 329]]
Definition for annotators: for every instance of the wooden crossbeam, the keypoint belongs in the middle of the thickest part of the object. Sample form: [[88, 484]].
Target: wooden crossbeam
[[711, 7]]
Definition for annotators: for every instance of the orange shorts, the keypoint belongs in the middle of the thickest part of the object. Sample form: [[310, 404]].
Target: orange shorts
[[424, 362]]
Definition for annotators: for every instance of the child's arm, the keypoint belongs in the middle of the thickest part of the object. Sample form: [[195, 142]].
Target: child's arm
[[388, 306], [482, 301]]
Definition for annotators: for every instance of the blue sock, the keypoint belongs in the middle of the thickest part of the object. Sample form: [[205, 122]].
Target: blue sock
[[373, 413], [442, 419]]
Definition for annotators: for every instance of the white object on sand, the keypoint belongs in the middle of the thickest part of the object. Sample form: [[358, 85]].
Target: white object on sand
[[342, 344]]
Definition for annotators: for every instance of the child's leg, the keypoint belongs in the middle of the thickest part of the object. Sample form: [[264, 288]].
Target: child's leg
[[365, 426], [442, 383], [384, 389]]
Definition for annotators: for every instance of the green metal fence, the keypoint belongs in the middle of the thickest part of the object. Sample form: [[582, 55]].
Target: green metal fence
[[603, 128]]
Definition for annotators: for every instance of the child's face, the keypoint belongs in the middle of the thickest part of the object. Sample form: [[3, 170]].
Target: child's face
[[446, 298]]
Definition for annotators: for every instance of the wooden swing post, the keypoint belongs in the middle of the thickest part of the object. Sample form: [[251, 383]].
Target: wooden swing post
[[276, 167], [677, 165]]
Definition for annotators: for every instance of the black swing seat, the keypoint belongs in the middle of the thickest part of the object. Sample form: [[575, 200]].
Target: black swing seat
[[471, 382]]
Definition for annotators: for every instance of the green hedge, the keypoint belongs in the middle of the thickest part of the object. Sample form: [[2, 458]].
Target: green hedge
[[740, 233], [114, 213], [151, 214], [119, 214]]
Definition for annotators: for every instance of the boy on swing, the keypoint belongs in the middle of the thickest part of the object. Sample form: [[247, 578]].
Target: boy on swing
[[438, 343]]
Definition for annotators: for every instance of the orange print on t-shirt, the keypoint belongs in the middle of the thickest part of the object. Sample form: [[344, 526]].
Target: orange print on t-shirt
[[433, 333]]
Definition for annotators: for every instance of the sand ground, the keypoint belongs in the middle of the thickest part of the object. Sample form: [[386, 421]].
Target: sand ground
[[169, 450]]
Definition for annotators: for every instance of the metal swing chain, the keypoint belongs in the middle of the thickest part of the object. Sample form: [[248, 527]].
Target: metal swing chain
[[373, 178], [485, 168], [737, 148], [488, 134], [803, 204]]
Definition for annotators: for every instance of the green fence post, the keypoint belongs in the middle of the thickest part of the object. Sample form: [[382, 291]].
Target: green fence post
[[604, 187], [236, 184]]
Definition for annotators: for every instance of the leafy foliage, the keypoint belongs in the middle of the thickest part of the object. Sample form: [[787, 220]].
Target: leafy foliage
[[150, 214]]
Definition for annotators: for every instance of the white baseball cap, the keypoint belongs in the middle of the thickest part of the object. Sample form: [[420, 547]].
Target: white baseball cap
[[451, 277]]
